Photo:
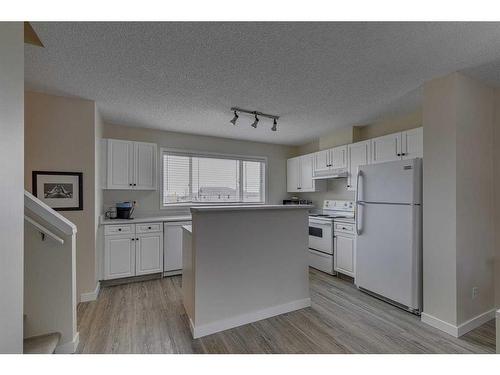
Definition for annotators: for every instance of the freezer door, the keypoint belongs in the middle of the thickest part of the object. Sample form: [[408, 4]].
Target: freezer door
[[389, 252], [395, 182]]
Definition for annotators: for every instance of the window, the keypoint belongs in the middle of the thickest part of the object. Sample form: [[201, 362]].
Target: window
[[192, 178]]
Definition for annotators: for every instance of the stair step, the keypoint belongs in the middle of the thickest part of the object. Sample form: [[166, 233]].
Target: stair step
[[43, 344]]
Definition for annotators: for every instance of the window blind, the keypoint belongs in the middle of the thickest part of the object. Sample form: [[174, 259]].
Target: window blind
[[197, 178]]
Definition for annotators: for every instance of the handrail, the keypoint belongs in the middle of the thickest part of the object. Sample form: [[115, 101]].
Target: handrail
[[44, 230], [48, 214]]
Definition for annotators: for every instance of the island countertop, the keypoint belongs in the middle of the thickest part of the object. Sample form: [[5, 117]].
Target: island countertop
[[250, 207]]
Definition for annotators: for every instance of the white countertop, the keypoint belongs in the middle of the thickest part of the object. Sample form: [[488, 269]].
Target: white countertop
[[251, 207], [145, 219]]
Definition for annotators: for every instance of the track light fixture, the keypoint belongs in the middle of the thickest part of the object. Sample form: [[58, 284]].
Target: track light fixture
[[235, 118], [256, 115], [254, 125]]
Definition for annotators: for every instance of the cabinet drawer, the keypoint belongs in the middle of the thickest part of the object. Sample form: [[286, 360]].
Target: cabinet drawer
[[148, 227], [344, 228], [321, 261], [119, 229]]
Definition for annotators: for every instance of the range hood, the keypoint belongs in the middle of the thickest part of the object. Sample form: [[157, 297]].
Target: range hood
[[332, 173]]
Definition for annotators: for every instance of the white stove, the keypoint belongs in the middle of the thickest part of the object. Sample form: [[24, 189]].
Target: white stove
[[321, 228]]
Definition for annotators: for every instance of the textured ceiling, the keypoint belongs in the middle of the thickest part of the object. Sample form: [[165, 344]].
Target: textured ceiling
[[317, 76]]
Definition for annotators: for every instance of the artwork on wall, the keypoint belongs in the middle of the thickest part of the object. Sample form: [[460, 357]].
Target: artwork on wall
[[63, 191]]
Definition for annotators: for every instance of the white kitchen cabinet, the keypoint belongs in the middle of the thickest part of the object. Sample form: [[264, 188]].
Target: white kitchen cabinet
[[119, 256], [322, 161], [386, 148], [129, 165], [344, 254], [300, 175], [339, 157], [292, 175], [172, 262], [413, 143], [132, 250], [326, 161], [357, 154], [120, 164], [149, 253]]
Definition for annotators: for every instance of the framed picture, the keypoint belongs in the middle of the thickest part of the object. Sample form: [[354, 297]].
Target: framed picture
[[63, 191]]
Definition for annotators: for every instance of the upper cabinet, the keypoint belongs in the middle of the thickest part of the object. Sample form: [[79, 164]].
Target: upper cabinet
[[357, 154], [299, 176], [413, 143], [397, 146], [129, 165], [326, 161]]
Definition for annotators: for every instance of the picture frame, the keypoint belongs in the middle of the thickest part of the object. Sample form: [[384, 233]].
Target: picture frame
[[62, 191]]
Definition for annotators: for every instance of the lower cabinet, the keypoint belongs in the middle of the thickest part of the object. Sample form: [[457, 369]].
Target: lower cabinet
[[119, 256], [149, 253], [138, 252], [345, 249]]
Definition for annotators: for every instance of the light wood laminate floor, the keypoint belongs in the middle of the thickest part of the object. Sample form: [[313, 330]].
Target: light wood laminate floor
[[148, 317]]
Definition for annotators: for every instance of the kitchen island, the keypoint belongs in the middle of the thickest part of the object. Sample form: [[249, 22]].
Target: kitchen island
[[242, 264]]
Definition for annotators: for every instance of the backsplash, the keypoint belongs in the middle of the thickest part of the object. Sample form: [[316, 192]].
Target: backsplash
[[336, 189], [147, 202]]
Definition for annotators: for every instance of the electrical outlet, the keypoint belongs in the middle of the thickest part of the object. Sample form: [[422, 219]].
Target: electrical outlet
[[475, 292]]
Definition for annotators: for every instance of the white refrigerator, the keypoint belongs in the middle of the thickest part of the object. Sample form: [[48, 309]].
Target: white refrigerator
[[389, 232]]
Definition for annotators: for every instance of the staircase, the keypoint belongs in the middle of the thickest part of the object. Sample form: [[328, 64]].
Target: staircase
[[43, 344], [49, 280]]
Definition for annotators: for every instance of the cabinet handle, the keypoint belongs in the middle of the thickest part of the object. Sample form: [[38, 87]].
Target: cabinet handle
[[129, 184], [404, 153], [133, 239], [137, 239], [119, 229], [399, 154], [149, 227]]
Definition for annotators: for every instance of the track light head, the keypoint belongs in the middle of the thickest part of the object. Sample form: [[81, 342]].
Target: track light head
[[233, 121], [254, 125], [275, 125]]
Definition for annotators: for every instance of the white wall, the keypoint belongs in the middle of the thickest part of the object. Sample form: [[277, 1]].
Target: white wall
[[11, 185], [439, 197], [458, 199], [149, 201]]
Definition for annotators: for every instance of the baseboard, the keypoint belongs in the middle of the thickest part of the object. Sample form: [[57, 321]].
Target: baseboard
[[222, 325], [457, 331], [69, 347], [475, 322], [449, 328], [91, 296]]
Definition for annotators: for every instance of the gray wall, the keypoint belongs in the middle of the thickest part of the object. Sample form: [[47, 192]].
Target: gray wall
[[149, 201], [11, 185]]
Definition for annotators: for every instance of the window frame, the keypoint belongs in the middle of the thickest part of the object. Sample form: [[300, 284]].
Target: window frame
[[209, 154]]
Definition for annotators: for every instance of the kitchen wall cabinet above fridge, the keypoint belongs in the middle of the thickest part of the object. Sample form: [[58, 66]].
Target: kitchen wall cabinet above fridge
[[397, 146], [129, 165]]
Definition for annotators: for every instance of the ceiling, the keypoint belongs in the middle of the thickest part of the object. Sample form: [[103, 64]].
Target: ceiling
[[316, 76]]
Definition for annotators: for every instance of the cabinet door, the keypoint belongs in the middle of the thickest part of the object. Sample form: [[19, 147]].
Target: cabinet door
[[413, 143], [292, 175], [149, 253], [120, 164], [119, 256], [339, 157], [322, 161], [173, 246], [306, 173], [344, 255], [145, 166], [386, 148], [357, 154]]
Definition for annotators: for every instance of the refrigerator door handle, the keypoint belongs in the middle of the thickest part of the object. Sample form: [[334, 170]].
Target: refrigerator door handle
[[358, 203]]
